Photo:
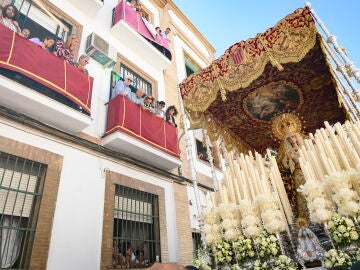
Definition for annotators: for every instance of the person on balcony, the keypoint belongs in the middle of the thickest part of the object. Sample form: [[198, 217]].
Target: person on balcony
[[122, 87], [166, 33], [159, 111], [137, 97], [25, 33], [134, 5], [148, 104], [66, 51], [47, 42], [83, 61], [170, 115], [8, 18]]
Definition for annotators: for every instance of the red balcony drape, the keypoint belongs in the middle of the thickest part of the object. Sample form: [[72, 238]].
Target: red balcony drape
[[124, 12], [20, 55], [130, 118]]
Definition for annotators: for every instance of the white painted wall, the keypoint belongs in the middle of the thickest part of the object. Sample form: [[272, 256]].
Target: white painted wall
[[98, 19], [77, 229]]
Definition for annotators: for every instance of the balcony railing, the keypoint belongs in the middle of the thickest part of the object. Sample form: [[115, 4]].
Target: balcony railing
[[42, 85], [140, 134], [124, 13]]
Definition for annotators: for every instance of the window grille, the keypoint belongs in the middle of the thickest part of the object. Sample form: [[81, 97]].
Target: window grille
[[196, 240], [136, 238], [138, 81], [21, 184]]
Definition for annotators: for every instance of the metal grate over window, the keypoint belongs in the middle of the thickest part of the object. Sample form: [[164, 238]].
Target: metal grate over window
[[21, 185], [196, 240], [138, 81], [136, 239]]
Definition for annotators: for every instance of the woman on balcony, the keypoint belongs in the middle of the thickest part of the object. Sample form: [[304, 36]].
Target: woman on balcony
[[148, 104], [66, 51], [171, 113], [8, 18]]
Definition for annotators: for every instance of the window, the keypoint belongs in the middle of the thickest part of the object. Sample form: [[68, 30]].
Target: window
[[21, 184], [138, 81], [201, 151], [190, 66], [37, 21], [136, 237]]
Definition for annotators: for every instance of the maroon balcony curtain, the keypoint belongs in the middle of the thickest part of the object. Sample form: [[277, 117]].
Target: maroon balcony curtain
[[29, 59], [124, 12], [130, 118]]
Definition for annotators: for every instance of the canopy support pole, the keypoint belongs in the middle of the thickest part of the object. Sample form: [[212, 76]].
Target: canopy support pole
[[210, 159], [193, 176], [337, 48]]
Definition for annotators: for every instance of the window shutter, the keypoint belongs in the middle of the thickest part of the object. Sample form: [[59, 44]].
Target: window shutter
[[14, 189]]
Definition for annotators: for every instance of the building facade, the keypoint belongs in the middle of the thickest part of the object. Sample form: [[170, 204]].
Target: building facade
[[86, 181]]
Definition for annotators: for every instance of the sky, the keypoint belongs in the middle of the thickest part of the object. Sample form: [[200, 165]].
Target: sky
[[224, 23]]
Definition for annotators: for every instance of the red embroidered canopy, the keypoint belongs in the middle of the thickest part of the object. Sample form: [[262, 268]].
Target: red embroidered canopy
[[281, 70]]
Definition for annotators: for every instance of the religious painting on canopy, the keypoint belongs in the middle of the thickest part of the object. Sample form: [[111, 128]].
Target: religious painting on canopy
[[272, 99]]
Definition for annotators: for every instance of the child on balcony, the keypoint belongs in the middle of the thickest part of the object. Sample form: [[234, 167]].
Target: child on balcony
[[83, 61], [47, 42]]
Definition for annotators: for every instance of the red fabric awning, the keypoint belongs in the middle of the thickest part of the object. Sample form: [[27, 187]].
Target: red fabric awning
[[125, 12], [130, 118], [23, 56]]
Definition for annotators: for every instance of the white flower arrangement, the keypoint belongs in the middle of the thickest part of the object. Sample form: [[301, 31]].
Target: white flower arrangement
[[228, 211], [212, 227], [202, 259], [250, 221], [258, 265], [270, 214], [223, 253], [243, 249], [338, 180], [318, 204], [284, 263], [342, 230], [336, 258], [230, 221], [346, 199], [358, 255], [267, 245]]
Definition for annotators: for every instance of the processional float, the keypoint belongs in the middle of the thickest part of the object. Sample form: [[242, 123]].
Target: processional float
[[279, 93]]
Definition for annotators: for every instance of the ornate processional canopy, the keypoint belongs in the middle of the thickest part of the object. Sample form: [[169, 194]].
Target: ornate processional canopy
[[284, 69]]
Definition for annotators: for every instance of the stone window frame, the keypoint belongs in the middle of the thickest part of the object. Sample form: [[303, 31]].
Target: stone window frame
[[42, 238], [112, 179]]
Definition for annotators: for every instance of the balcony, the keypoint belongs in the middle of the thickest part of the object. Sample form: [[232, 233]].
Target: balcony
[[38, 84], [141, 135], [139, 36], [92, 6]]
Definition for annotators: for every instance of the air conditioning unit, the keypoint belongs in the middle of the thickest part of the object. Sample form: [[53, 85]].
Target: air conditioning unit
[[98, 49]]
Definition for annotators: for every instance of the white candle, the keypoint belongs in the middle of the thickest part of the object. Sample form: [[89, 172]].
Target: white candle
[[337, 146]]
